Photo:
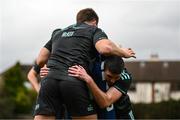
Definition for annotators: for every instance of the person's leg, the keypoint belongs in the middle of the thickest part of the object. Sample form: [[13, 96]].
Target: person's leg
[[89, 117], [44, 117]]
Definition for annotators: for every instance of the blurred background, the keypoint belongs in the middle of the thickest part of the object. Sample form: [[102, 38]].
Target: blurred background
[[150, 27]]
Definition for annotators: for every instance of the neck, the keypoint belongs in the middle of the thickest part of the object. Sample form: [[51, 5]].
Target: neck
[[90, 23]]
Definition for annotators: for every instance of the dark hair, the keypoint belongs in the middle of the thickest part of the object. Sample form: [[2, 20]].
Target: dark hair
[[114, 64], [87, 14]]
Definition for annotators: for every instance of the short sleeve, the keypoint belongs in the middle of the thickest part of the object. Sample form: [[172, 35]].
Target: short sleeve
[[124, 83], [48, 45], [99, 34]]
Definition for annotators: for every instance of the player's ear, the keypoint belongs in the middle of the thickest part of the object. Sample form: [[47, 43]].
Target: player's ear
[[94, 22]]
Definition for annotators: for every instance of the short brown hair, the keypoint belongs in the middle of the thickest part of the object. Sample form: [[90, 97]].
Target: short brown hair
[[86, 14]]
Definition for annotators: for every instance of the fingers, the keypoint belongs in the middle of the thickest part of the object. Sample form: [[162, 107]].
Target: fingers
[[44, 72], [43, 75], [76, 68], [73, 69], [132, 53], [74, 75], [134, 57], [76, 71], [45, 69], [81, 67]]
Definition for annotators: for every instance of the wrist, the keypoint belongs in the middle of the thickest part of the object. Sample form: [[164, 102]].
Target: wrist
[[122, 52], [88, 80]]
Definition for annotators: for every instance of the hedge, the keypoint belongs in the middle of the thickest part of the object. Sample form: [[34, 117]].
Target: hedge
[[163, 110]]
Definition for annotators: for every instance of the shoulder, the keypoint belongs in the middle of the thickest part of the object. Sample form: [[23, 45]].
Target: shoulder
[[56, 31], [125, 75], [123, 84], [99, 30]]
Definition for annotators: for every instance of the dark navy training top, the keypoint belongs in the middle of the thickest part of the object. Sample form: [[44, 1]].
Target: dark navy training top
[[74, 45]]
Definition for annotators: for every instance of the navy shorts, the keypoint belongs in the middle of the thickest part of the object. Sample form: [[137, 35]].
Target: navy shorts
[[72, 93]]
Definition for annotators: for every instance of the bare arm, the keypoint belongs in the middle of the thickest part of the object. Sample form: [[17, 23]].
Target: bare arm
[[32, 77], [41, 61], [43, 57], [103, 99], [107, 47]]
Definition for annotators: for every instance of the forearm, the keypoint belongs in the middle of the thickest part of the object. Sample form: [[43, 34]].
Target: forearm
[[102, 99], [39, 63], [116, 50], [107, 47], [32, 77]]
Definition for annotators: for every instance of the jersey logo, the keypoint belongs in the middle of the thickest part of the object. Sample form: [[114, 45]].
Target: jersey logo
[[37, 106], [125, 76], [90, 108], [67, 34]]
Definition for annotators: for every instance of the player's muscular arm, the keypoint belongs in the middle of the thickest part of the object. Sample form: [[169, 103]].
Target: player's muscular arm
[[32, 77], [107, 47], [103, 99], [40, 62], [43, 57]]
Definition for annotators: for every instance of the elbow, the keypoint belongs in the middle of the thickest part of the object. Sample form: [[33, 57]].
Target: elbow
[[104, 105], [29, 76]]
